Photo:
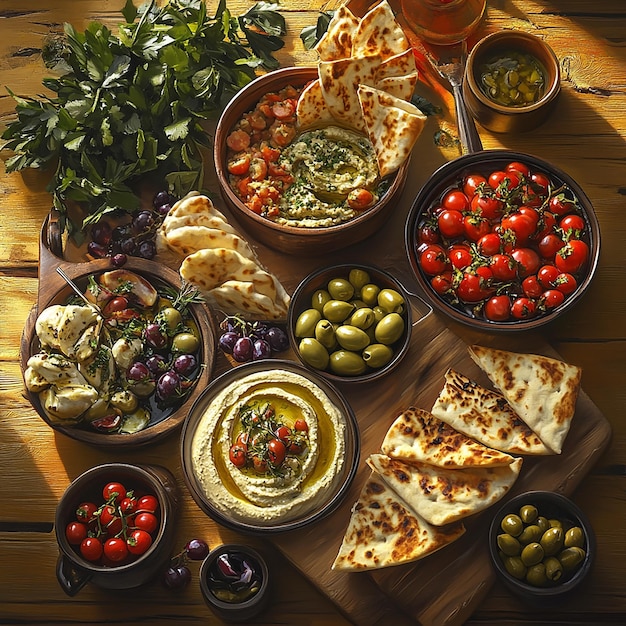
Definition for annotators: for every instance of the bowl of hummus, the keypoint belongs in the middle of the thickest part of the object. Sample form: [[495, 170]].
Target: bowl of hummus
[[269, 447], [300, 190]]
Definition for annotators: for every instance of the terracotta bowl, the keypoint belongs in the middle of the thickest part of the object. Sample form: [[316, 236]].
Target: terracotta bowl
[[302, 301], [289, 239], [449, 176], [552, 506], [510, 119], [56, 291], [73, 571]]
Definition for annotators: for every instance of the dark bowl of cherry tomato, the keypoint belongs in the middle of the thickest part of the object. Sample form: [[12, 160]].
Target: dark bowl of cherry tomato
[[115, 526], [248, 208], [156, 351], [502, 241]]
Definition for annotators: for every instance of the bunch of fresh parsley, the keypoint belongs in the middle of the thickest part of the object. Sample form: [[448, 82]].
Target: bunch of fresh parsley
[[133, 103]]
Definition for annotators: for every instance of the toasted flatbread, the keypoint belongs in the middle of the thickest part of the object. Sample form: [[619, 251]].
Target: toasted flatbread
[[442, 496], [392, 124], [417, 435], [382, 532], [337, 40], [542, 390], [311, 109], [378, 33], [485, 415], [186, 240]]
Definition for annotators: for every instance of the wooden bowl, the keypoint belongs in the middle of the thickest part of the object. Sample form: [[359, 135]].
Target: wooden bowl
[[290, 239], [56, 291]]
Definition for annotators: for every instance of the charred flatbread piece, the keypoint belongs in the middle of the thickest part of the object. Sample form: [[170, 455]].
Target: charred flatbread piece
[[337, 40], [485, 415], [418, 436], [382, 532], [311, 109], [442, 496], [379, 33], [542, 390], [392, 124]]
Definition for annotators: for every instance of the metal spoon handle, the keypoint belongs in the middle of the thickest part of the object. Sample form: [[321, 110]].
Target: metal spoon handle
[[468, 135], [76, 290]]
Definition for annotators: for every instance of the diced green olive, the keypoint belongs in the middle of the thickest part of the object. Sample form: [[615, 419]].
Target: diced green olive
[[531, 533], [340, 289], [571, 558], [351, 337], [515, 567], [313, 353], [369, 294], [509, 544], [306, 323], [512, 524], [337, 310], [359, 278], [319, 298], [186, 343], [389, 329], [377, 355], [536, 575], [552, 540], [347, 363], [554, 569], [390, 300], [574, 538], [532, 554], [528, 513], [363, 318], [325, 334]]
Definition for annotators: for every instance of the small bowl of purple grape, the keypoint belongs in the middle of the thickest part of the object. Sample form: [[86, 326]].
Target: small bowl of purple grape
[[244, 341], [234, 582]]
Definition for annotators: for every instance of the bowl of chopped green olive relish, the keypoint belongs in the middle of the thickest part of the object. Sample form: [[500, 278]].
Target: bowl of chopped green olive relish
[[511, 82], [298, 190], [542, 546]]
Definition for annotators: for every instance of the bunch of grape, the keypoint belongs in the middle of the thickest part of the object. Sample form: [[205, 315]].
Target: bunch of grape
[[136, 238], [178, 575], [251, 341]]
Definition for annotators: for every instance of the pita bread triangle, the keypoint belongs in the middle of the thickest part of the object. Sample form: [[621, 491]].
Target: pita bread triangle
[[541, 390], [418, 436], [442, 496], [382, 532], [379, 33], [484, 415], [337, 40]]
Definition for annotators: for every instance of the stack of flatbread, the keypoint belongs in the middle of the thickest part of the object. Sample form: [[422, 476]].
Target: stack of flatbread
[[428, 478], [367, 75], [210, 254]]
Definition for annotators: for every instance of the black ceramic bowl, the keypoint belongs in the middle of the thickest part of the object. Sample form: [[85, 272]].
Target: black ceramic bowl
[[74, 571], [552, 506], [450, 176], [302, 301], [235, 611]]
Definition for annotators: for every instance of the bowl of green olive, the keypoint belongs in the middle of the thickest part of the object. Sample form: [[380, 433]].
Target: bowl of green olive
[[512, 81], [541, 545], [350, 322]]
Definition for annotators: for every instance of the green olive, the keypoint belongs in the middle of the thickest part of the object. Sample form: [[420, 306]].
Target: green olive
[[377, 355], [337, 310], [389, 329], [554, 569], [379, 313], [531, 533], [555, 523], [574, 538], [325, 334], [390, 300], [172, 317], [352, 338], [187, 343], [509, 545], [313, 353], [363, 318], [340, 289], [369, 294], [359, 278], [306, 323], [347, 363], [532, 554], [552, 540], [319, 299], [359, 304], [515, 567], [536, 575], [512, 524], [571, 558], [528, 513], [543, 523]]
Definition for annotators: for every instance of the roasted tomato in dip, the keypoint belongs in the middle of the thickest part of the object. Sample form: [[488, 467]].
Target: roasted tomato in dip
[[316, 178], [504, 245]]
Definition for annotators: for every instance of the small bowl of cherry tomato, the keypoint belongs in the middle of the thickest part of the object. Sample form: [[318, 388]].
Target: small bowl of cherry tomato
[[115, 526], [502, 241]]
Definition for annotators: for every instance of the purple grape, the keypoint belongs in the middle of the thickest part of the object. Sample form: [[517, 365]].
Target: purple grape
[[277, 338], [168, 385], [156, 364], [138, 371], [161, 198], [101, 233], [164, 209], [259, 330], [119, 259], [242, 350], [147, 250], [185, 364], [128, 245], [144, 220], [197, 549], [121, 232], [261, 350], [97, 250], [228, 340], [155, 337], [177, 577]]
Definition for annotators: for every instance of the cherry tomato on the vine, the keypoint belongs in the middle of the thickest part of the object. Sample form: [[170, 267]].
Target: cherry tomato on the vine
[[572, 225], [547, 276], [86, 512], [476, 227], [75, 532], [138, 541], [498, 308], [146, 521], [451, 223], [531, 287], [460, 256], [486, 205], [433, 259], [472, 182], [455, 200], [91, 549], [276, 451], [114, 491], [527, 260], [442, 283], [148, 503], [566, 283], [552, 298], [572, 256], [115, 549], [523, 308], [517, 166], [503, 266], [238, 455], [301, 425]]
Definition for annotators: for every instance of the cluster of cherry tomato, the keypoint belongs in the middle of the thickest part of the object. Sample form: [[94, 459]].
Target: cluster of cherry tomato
[[117, 531], [506, 246]]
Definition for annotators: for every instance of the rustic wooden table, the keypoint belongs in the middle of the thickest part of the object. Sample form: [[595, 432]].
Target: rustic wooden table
[[586, 137]]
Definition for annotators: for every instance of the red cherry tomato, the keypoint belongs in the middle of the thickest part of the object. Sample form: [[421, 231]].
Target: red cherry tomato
[[114, 491], [547, 276], [476, 227], [572, 225], [115, 549], [146, 521], [455, 200], [110, 521], [498, 308], [552, 298], [489, 244], [546, 225], [473, 288], [91, 549], [128, 505], [572, 256], [259, 464], [520, 168], [531, 287], [238, 454], [528, 261], [283, 433], [566, 283], [472, 183], [148, 503], [550, 245], [503, 182], [487, 206], [138, 541], [301, 426], [460, 256], [523, 308], [560, 205], [86, 512], [503, 267], [433, 259], [520, 225], [442, 283], [428, 234], [531, 213], [118, 303], [540, 182], [451, 223], [276, 451], [75, 532]]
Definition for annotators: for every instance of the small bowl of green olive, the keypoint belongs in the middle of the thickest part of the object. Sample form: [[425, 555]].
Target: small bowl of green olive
[[511, 82], [541, 545], [350, 322]]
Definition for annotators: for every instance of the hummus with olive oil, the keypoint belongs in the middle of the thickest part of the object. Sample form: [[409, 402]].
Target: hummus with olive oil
[[327, 164], [279, 494]]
